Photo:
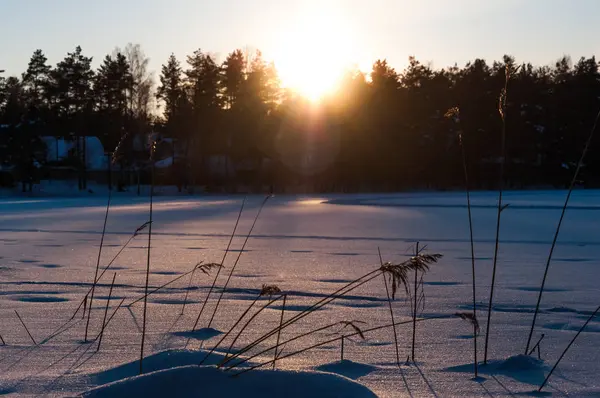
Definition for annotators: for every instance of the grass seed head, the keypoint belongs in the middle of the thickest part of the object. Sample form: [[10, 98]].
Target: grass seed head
[[206, 268], [141, 228], [398, 273], [269, 290], [353, 325], [469, 317]]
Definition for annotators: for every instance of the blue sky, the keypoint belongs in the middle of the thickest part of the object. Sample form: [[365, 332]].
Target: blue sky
[[437, 31]]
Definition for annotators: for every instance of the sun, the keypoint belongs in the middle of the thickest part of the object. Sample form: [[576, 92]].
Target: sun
[[313, 53]]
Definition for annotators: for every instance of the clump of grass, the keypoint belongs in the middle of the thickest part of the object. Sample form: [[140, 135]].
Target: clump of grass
[[267, 290], [329, 341], [397, 274]]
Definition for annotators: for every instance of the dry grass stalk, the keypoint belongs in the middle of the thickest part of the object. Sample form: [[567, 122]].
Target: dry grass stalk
[[144, 314], [111, 316], [397, 273], [212, 286], [414, 333], [389, 300], [569, 346], [469, 317], [560, 220], [249, 321], [87, 324], [279, 332], [329, 341], [106, 311], [26, 329], [454, 113], [502, 111], [84, 301], [262, 206], [187, 292], [266, 289], [145, 296]]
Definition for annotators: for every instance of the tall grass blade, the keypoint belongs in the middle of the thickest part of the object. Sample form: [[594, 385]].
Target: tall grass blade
[[560, 220], [249, 321], [237, 260], [147, 265], [112, 316], [25, 326], [454, 113], [279, 331], [106, 311], [568, 346], [414, 332], [87, 324], [502, 111], [137, 231], [389, 300], [212, 286]]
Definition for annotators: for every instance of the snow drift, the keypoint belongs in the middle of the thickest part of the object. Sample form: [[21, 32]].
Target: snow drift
[[208, 381]]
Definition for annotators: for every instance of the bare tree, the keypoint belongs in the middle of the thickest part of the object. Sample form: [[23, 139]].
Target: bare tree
[[140, 98]]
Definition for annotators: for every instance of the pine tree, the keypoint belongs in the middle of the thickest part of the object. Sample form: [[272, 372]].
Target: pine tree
[[36, 82], [171, 90], [233, 76], [73, 101]]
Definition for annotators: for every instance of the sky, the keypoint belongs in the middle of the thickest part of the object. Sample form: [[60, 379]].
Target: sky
[[356, 32]]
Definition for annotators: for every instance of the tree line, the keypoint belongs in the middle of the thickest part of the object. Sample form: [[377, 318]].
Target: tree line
[[382, 130]]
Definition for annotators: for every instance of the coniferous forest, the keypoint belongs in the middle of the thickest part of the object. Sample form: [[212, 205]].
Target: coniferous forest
[[229, 122]]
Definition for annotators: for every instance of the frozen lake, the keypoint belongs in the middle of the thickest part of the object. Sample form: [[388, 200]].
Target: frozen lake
[[308, 246]]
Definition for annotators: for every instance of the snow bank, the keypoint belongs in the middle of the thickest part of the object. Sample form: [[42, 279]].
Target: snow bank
[[350, 369], [208, 381], [523, 368], [159, 361]]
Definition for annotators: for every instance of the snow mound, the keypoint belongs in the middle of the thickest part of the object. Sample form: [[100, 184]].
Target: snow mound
[[521, 363], [155, 362], [523, 368], [208, 381], [350, 369]]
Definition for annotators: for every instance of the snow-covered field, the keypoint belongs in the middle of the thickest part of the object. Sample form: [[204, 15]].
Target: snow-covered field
[[308, 246]]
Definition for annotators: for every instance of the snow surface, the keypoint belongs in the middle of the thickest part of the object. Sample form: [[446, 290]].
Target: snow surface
[[309, 246]]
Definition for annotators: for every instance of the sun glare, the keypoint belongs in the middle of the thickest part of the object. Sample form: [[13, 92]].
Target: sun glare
[[314, 53]]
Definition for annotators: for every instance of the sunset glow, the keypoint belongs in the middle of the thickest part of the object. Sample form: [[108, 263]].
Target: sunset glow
[[313, 54]]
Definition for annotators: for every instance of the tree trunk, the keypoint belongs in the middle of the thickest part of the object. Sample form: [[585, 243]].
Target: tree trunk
[[84, 176]]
